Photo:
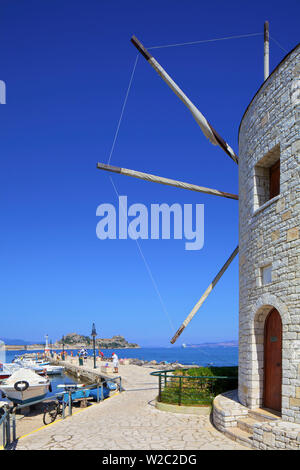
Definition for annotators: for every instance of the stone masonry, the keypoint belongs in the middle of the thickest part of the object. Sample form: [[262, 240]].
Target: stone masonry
[[269, 235]]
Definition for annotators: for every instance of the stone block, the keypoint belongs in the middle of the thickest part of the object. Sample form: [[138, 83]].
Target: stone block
[[294, 401], [292, 234], [286, 215], [275, 235]]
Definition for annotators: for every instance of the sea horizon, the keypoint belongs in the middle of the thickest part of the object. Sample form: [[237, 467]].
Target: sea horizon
[[200, 356]]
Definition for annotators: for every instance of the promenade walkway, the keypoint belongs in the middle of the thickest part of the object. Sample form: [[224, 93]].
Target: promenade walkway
[[129, 420]]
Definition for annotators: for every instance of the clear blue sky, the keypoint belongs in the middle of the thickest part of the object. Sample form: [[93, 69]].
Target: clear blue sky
[[67, 66]]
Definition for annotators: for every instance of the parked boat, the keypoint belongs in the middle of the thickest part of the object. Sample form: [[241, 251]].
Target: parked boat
[[25, 386], [78, 392], [54, 370], [93, 392], [7, 369], [40, 367]]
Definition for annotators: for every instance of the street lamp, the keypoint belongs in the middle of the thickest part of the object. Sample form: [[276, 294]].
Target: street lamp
[[94, 334], [63, 351]]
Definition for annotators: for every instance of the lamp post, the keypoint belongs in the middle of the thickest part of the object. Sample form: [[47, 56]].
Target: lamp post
[[94, 334], [63, 351]]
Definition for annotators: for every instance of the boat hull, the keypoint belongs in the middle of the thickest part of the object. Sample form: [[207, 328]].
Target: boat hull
[[32, 393]]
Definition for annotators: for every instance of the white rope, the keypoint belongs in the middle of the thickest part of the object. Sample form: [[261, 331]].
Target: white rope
[[276, 42], [149, 270], [206, 40], [123, 108]]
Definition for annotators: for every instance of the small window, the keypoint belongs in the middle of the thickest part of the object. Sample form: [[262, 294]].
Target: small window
[[266, 274], [267, 177], [275, 179]]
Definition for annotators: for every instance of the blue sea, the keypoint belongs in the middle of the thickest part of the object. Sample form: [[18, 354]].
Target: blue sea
[[201, 356]]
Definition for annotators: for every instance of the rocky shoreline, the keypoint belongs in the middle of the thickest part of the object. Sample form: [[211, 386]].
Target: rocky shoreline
[[163, 365]]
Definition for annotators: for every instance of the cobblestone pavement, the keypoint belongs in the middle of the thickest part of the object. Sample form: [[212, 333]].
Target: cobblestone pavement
[[129, 420]]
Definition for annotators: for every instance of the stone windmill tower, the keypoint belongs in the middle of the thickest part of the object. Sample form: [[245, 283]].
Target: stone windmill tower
[[269, 243]]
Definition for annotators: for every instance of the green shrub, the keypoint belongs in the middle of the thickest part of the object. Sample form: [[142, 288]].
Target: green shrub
[[200, 391]]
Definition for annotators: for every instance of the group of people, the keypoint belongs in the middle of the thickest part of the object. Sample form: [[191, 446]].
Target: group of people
[[83, 353]]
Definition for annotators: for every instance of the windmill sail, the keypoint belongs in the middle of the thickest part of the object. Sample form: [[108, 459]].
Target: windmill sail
[[166, 181], [204, 296], [205, 126]]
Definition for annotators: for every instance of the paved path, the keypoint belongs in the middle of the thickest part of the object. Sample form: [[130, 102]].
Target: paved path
[[129, 421]]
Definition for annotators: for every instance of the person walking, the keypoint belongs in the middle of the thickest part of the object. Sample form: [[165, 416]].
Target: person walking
[[115, 363]]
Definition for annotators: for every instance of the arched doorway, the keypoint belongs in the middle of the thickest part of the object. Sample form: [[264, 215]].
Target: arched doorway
[[273, 361]]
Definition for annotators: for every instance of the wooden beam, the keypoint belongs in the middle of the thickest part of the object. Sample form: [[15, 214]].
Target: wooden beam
[[166, 181], [205, 126], [204, 296]]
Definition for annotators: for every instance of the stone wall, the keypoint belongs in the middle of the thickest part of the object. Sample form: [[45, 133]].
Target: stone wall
[[276, 436], [227, 410], [269, 234]]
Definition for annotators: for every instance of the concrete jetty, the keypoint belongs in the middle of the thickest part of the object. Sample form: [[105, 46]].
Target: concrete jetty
[[127, 420]]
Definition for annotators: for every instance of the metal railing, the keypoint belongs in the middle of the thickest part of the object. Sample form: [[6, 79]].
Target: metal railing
[[7, 428], [176, 387], [8, 418]]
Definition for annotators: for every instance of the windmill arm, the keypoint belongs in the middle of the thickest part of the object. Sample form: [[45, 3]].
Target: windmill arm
[[166, 181], [204, 296], [205, 126]]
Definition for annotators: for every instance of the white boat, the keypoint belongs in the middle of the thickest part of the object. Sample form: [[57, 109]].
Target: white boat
[[40, 367], [7, 369], [25, 386], [53, 370]]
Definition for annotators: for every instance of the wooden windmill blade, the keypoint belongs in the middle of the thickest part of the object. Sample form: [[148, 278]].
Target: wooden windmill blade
[[166, 181], [204, 296], [205, 126]]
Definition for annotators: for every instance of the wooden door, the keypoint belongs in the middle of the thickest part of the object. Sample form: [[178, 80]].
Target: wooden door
[[273, 361]]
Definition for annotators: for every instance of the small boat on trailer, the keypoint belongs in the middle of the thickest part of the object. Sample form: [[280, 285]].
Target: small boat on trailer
[[79, 392], [25, 386]]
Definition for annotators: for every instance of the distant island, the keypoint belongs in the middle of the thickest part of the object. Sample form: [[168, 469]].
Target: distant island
[[225, 344], [76, 341], [73, 341]]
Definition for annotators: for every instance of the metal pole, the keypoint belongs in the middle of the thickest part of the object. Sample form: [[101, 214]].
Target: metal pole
[[180, 390], [159, 387], [8, 429], [14, 434], [94, 346], [266, 50], [70, 403], [3, 434]]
